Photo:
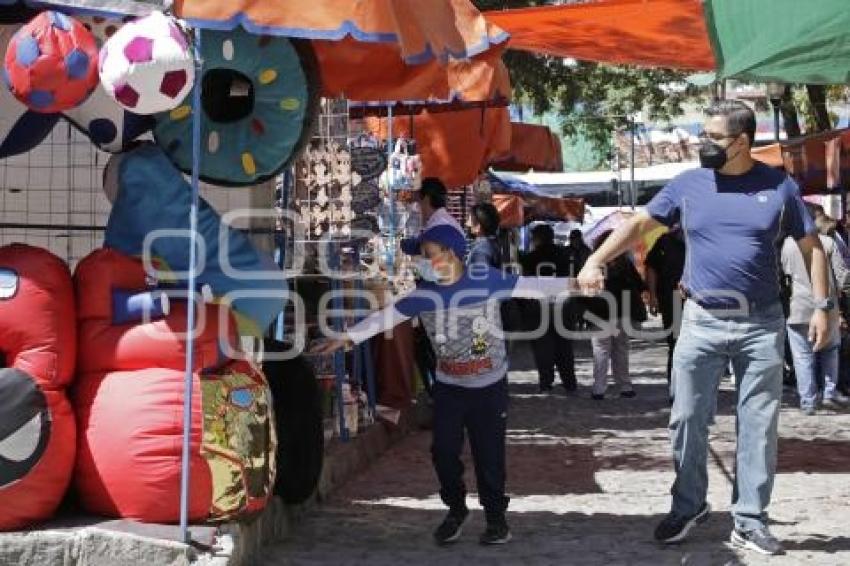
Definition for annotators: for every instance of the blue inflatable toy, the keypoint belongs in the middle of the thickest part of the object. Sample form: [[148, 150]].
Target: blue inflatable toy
[[153, 195]]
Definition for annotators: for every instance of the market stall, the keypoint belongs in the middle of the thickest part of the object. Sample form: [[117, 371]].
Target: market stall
[[228, 94]]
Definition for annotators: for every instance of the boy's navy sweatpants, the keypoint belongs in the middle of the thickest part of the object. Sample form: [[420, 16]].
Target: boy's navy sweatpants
[[482, 413]]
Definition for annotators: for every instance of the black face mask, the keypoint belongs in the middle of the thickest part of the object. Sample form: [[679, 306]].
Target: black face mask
[[712, 155]]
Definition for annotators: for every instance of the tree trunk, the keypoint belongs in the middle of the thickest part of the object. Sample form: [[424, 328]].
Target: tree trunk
[[790, 119], [817, 96]]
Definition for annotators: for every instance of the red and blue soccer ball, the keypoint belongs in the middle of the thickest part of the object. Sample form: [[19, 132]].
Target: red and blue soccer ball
[[51, 63]]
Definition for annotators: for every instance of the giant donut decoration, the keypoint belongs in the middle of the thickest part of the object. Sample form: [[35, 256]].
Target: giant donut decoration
[[260, 98]]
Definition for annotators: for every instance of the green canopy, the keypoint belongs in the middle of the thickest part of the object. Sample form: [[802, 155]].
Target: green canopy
[[792, 41]]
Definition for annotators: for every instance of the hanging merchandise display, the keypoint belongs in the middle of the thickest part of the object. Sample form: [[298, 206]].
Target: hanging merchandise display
[[51, 63], [38, 344], [323, 196], [259, 98], [147, 66], [405, 167], [368, 162], [368, 159]]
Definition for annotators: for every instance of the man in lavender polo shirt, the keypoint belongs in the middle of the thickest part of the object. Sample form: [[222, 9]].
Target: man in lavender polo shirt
[[734, 213]]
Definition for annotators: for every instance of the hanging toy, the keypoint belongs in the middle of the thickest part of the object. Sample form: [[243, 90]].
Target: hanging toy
[[21, 129], [259, 99], [109, 126], [147, 66], [51, 63]]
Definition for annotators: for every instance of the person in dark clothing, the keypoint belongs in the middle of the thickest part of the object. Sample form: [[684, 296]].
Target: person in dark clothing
[[484, 224], [578, 252], [551, 350], [665, 264]]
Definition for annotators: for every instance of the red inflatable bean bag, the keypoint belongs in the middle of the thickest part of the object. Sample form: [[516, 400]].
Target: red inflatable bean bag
[[129, 406], [37, 347]]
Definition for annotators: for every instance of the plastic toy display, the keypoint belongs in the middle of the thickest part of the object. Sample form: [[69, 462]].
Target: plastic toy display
[[37, 432]]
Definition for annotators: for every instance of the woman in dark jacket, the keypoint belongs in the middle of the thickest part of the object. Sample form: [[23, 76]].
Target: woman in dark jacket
[[623, 286]]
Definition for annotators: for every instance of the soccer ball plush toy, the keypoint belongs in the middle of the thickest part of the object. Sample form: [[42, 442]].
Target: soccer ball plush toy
[[147, 66], [51, 63]]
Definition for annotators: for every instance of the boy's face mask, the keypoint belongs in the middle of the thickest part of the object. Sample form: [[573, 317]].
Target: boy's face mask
[[426, 270], [434, 269]]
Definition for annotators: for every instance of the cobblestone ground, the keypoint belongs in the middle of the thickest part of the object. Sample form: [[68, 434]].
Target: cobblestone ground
[[589, 481]]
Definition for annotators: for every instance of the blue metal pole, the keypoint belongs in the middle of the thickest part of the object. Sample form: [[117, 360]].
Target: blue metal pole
[[339, 357], [280, 241], [185, 535], [391, 174], [369, 365], [365, 364]]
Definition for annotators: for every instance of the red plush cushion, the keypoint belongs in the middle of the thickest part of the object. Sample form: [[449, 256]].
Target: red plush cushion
[[130, 445], [37, 340], [37, 324]]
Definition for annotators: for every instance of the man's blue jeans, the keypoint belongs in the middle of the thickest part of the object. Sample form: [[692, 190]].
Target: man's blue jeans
[[813, 368], [754, 344]]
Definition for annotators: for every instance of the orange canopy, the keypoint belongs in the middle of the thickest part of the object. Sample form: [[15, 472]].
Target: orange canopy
[[423, 30], [818, 163], [532, 147], [768, 154], [374, 72], [511, 210], [549, 208], [455, 146], [516, 210], [652, 33]]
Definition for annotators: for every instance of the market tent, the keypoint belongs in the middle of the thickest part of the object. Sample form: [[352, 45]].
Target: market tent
[[382, 75], [368, 49], [759, 40], [423, 30], [518, 210], [454, 146], [548, 208], [532, 147], [511, 210], [818, 163], [655, 33]]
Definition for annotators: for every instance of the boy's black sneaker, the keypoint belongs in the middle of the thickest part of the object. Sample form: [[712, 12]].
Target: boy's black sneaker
[[451, 527], [675, 529], [496, 533], [759, 540]]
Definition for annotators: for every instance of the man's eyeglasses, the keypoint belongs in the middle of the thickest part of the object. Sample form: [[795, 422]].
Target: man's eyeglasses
[[714, 136]]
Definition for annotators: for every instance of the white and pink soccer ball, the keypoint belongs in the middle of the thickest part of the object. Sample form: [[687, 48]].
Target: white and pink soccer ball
[[147, 66]]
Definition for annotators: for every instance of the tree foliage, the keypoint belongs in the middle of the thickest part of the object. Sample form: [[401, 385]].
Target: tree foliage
[[593, 99]]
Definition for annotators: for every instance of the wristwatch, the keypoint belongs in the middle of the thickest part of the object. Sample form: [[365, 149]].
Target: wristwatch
[[825, 304]]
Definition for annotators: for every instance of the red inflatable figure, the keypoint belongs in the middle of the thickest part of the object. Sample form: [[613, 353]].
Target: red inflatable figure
[[38, 345], [129, 405]]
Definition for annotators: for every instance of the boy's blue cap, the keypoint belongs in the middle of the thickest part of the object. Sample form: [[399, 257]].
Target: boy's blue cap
[[448, 236]]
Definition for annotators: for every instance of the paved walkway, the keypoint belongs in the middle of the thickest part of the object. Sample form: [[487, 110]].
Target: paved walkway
[[589, 481]]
